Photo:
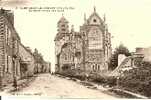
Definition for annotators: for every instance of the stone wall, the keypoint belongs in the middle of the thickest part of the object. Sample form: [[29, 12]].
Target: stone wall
[[121, 57]]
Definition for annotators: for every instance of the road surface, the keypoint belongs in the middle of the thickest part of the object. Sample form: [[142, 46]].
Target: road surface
[[56, 87]]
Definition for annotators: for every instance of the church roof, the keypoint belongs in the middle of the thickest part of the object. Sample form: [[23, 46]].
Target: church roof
[[95, 14]]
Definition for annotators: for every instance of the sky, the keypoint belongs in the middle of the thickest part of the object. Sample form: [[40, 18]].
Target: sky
[[128, 21]]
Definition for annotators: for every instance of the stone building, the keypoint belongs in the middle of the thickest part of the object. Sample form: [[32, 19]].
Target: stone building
[[9, 47], [27, 61], [89, 49], [47, 67], [38, 62], [146, 52], [63, 45]]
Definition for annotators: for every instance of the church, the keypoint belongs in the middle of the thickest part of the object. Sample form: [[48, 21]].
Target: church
[[88, 50]]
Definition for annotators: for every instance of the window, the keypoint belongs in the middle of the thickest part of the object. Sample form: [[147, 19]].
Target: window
[[6, 29], [94, 20], [63, 29], [65, 57], [8, 37], [93, 67], [98, 67], [7, 67], [63, 25]]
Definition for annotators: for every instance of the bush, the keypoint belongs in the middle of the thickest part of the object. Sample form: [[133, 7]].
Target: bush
[[67, 73], [111, 81], [80, 76], [95, 77], [138, 80]]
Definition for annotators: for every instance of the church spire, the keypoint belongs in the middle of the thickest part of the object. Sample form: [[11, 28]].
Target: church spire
[[94, 9], [85, 18]]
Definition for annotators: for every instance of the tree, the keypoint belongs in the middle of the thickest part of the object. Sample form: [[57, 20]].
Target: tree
[[121, 49]]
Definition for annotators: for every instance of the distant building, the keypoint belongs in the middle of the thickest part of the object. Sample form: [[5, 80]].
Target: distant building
[[89, 49], [47, 67], [146, 52], [27, 61], [40, 64]]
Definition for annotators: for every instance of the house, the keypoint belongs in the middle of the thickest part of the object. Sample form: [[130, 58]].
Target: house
[[9, 48], [27, 61]]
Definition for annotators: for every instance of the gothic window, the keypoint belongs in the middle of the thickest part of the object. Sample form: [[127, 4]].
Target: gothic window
[[96, 67]]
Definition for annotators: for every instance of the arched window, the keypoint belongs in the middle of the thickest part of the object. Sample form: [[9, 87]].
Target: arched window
[[98, 67], [93, 67], [65, 57]]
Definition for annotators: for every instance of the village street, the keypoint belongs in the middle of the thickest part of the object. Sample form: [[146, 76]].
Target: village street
[[56, 87]]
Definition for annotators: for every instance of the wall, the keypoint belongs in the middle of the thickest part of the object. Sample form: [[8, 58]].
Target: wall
[[121, 57]]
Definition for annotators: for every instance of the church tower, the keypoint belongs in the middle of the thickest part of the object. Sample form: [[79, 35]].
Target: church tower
[[61, 38], [63, 26]]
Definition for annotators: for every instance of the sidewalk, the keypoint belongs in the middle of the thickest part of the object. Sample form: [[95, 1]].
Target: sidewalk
[[9, 89]]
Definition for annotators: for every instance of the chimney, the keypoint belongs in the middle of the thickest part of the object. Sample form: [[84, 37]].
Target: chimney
[[10, 15]]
